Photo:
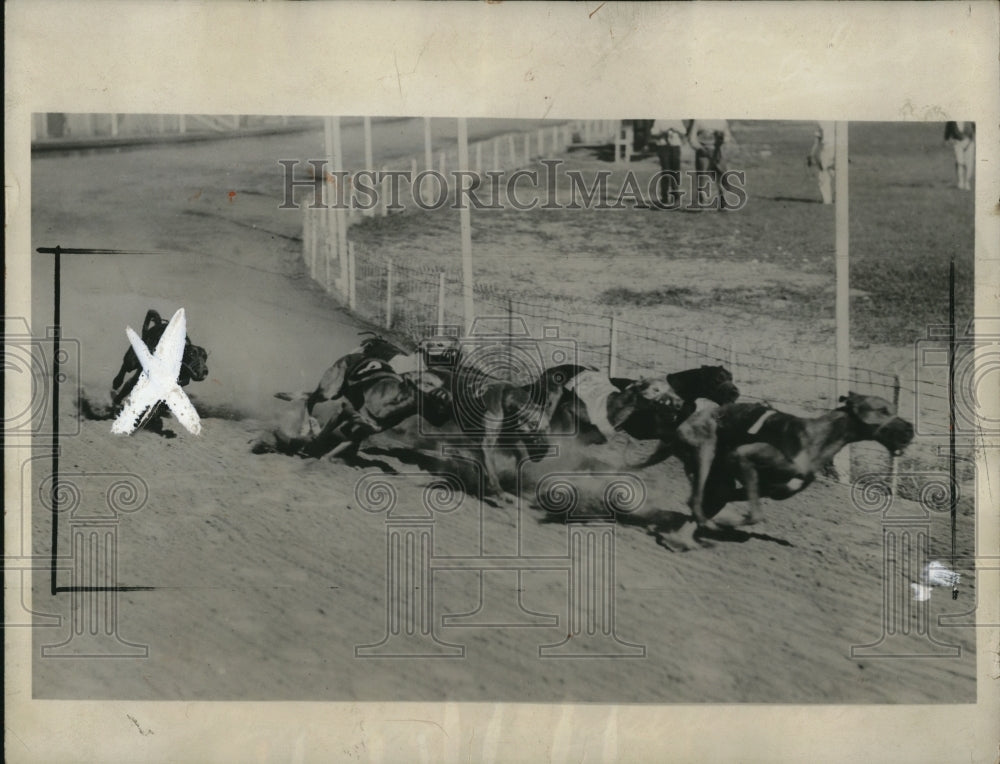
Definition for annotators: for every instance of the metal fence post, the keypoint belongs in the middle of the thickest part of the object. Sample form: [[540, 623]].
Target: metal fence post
[[352, 276], [510, 338], [440, 313], [331, 230], [892, 459], [388, 294], [613, 348]]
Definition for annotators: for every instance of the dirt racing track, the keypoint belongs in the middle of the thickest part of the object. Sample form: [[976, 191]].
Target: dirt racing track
[[266, 578]]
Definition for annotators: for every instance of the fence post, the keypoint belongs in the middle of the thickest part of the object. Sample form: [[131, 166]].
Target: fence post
[[613, 348], [332, 249], [892, 459], [842, 303], [510, 339], [388, 294], [479, 157], [443, 167], [527, 149], [306, 243], [541, 142], [496, 155], [310, 232], [440, 315], [466, 229], [369, 162], [352, 276], [513, 151]]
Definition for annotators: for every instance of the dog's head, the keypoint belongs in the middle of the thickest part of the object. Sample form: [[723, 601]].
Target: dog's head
[[194, 362], [712, 382], [719, 385], [879, 421], [656, 390]]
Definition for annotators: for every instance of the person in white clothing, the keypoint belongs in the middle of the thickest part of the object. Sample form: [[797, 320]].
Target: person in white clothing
[[962, 137], [821, 156]]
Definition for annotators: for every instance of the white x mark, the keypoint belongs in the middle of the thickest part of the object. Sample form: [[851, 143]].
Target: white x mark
[[158, 381]]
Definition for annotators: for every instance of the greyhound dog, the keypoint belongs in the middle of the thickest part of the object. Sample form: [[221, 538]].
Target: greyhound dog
[[749, 450], [380, 387], [194, 367], [331, 384], [713, 383]]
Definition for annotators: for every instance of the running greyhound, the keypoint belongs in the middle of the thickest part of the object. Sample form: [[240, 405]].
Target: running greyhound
[[743, 451]]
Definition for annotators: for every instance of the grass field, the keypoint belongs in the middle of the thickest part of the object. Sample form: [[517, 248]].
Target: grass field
[[772, 259]]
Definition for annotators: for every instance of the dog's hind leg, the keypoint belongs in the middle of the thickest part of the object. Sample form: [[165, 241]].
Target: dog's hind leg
[[748, 457]]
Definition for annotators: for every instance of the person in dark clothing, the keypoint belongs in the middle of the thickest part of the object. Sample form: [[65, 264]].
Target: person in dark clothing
[[668, 135]]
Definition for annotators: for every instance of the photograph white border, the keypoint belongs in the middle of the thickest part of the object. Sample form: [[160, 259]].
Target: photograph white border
[[856, 61]]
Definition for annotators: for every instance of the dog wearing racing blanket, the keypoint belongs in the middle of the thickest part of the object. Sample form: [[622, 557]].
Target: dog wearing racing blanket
[[745, 451], [380, 386], [595, 406]]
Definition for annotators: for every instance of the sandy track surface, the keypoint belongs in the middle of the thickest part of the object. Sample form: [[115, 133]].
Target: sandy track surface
[[264, 572]]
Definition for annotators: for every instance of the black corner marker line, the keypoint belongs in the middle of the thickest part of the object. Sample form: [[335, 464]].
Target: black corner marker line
[[83, 251], [57, 329], [57, 251], [952, 467]]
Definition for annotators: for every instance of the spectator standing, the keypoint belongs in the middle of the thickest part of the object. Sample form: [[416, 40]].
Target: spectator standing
[[668, 135], [962, 137], [712, 141], [821, 156]]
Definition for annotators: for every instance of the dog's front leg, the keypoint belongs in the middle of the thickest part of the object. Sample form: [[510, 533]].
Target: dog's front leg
[[745, 457], [491, 436], [697, 437], [706, 456]]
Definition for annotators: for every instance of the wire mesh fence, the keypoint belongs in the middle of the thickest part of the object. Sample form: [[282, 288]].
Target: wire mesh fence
[[412, 300]]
